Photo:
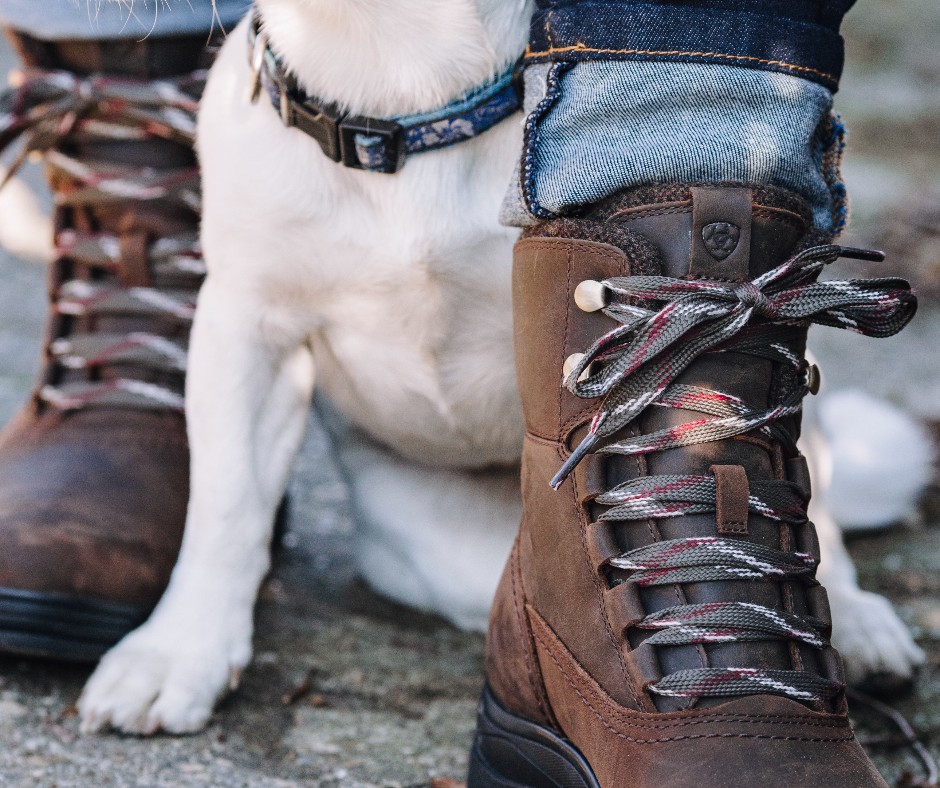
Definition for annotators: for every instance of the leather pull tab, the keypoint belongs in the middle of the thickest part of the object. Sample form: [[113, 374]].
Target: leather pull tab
[[135, 264], [721, 233], [731, 499]]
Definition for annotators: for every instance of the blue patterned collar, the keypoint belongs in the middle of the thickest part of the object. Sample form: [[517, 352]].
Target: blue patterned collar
[[377, 144]]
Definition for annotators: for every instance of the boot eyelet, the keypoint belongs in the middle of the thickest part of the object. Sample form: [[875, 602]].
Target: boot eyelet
[[590, 296], [812, 379], [570, 363]]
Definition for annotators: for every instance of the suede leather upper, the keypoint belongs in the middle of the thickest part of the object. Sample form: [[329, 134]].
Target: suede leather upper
[[562, 650]]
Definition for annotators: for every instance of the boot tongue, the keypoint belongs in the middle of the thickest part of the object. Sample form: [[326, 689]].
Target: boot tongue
[[715, 233], [712, 232]]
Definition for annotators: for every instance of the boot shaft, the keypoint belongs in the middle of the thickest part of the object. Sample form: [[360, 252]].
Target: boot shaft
[[671, 232], [660, 341], [644, 232]]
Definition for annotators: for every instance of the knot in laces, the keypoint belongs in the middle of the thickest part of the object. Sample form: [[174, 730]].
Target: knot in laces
[[753, 297], [664, 324]]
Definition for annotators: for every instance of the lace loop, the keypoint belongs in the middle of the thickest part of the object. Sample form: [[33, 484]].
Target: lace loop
[[633, 365], [725, 622], [656, 497], [730, 682], [703, 559]]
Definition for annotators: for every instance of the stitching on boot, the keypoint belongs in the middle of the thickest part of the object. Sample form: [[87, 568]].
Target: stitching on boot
[[668, 209], [602, 606], [779, 215], [663, 739], [564, 344], [682, 717], [763, 195], [699, 720], [523, 622]]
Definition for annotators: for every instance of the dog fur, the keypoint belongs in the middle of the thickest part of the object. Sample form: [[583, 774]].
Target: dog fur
[[391, 295]]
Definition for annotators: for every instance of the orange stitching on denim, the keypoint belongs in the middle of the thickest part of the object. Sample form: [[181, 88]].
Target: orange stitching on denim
[[581, 48]]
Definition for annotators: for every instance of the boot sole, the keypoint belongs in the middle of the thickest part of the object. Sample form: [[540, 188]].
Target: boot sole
[[513, 752], [63, 627]]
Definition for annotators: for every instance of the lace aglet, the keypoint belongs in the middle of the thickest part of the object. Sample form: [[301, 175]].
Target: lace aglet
[[571, 463], [871, 255]]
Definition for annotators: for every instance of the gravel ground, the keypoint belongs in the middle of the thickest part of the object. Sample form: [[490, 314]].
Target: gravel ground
[[347, 689]]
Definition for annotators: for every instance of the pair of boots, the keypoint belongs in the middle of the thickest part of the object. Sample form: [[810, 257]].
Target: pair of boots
[[658, 621]]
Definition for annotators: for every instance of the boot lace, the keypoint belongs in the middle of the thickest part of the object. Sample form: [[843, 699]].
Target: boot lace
[[664, 325], [54, 111]]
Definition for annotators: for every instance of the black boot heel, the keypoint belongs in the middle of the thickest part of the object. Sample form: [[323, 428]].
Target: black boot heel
[[512, 752]]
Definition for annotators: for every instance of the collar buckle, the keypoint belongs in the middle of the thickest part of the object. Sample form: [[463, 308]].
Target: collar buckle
[[381, 147], [318, 121], [382, 142]]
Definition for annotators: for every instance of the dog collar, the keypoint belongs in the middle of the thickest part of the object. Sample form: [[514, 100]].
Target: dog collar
[[377, 144]]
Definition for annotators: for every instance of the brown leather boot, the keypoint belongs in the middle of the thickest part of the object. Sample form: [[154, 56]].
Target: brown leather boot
[[94, 468], [658, 622]]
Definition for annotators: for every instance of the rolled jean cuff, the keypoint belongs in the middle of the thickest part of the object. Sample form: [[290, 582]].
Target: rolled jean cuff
[[798, 37], [595, 128]]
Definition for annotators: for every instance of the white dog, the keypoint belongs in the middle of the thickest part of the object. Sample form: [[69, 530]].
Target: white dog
[[390, 294]]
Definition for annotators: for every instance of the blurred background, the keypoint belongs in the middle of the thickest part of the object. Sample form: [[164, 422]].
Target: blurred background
[[349, 690]]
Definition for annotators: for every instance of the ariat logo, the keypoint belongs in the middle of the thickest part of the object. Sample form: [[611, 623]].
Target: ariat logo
[[721, 238]]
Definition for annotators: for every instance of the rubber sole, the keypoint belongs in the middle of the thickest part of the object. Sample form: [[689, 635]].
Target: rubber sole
[[512, 752], [63, 627]]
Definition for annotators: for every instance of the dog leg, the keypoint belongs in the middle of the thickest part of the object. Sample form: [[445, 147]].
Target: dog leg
[[432, 538], [247, 402], [873, 641], [875, 644]]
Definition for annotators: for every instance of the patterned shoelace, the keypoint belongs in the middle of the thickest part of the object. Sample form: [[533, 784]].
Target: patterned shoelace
[[632, 367], [50, 109]]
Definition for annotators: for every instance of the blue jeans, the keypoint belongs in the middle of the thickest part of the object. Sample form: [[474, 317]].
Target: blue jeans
[[799, 37], [621, 93], [597, 127], [618, 93]]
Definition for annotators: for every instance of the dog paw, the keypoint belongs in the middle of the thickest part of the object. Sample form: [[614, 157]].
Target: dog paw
[[151, 681], [875, 644]]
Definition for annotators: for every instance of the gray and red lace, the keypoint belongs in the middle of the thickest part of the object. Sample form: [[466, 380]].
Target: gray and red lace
[[55, 111], [664, 324]]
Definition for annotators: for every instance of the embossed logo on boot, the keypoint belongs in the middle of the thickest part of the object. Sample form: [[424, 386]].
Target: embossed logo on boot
[[721, 238]]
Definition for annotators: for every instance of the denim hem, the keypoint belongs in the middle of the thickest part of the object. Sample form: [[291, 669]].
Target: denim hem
[[596, 30], [530, 141], [831, 149], [596, 128]]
